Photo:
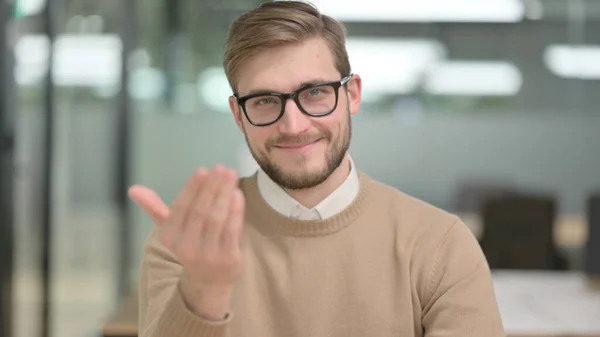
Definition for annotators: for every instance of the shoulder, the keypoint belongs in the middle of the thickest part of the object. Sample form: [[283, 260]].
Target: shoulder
[[437, 242], [409, 212], [424, 232]]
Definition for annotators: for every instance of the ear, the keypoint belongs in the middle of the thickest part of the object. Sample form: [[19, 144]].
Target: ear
[[237, 112], [354, 90]]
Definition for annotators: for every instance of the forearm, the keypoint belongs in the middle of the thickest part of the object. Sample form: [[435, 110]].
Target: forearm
[[174, 318]]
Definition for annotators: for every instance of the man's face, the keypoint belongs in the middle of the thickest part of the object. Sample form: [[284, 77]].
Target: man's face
[[298, 151]]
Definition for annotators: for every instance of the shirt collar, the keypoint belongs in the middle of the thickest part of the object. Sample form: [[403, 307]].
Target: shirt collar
[[286, 205]]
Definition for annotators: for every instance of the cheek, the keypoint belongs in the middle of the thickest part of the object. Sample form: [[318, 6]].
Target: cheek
[[258, 137], [336, 122]]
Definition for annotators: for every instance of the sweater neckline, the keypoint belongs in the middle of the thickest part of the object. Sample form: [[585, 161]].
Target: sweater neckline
[[271, 220]]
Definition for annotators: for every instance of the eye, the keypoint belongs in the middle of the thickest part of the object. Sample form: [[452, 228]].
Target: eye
[[265, 101], [315, 92]]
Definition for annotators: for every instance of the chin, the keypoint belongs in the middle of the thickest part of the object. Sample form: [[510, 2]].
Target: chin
[[307, 171], [294, 176], [304, 179], [312, 163]]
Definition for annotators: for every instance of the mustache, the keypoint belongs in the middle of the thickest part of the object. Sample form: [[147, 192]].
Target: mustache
[[286, 140]]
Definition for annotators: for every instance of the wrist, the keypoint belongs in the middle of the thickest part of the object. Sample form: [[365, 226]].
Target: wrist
[[211, 303]]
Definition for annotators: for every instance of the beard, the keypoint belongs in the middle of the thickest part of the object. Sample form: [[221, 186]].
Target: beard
[[334, 155]]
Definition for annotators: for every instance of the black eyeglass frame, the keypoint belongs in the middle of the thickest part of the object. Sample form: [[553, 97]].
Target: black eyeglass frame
[[336, 85]]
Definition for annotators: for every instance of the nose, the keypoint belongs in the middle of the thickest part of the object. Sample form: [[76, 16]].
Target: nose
[[293, 121]]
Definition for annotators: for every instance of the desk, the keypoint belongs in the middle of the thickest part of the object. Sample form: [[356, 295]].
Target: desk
[[124, 322], [570, 230], [540, 304], [532, 304]]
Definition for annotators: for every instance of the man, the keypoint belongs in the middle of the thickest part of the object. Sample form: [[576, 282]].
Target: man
[[308, 246]]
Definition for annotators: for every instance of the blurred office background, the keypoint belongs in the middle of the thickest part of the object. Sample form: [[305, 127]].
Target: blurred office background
[[464, 102]]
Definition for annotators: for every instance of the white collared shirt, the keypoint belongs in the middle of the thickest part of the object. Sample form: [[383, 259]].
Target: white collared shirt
[[286, 205]]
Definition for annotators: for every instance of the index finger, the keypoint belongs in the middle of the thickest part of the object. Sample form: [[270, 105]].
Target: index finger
[[186, 196], [235, 224]]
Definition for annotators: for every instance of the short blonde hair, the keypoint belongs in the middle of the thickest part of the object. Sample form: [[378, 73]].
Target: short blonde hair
[[279, 23]]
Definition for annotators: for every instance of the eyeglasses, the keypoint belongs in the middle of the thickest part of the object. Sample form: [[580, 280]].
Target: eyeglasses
[[317, 100]]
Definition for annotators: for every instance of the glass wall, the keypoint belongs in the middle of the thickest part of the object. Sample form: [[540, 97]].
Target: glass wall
[[78, 45]]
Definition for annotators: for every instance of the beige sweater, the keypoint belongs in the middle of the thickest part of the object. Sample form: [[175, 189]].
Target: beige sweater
[[388, 265]]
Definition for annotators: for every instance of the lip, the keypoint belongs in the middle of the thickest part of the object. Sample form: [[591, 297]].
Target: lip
[[298, 148]]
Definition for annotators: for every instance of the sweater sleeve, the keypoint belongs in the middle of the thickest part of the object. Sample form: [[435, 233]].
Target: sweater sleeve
[[460, 298], [162, 309]]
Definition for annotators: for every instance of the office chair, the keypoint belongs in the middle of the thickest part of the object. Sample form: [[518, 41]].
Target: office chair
[[592, 248], [518, 233]]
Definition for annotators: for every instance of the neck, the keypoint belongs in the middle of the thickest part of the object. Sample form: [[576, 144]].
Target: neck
[[311, 197]]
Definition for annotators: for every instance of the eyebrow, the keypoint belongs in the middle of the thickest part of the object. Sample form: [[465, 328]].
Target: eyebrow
[[303, 85]]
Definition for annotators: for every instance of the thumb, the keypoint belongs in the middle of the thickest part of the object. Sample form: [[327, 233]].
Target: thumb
[[149, 201]]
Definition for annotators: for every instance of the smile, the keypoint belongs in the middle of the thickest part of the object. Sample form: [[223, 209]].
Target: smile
[[299, 148]]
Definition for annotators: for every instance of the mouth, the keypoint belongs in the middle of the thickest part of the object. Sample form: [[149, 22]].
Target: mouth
[[299, 147]]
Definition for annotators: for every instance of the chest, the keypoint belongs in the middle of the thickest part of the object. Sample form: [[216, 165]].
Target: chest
[[322, 287]]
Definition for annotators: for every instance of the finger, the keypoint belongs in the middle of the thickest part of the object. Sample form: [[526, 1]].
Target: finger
[[201, 207], [149, 201], [181, 206], [219, 209], [235, 223], [186, 196]]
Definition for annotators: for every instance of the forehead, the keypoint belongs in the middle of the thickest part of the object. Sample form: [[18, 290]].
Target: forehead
[[285, 68]]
